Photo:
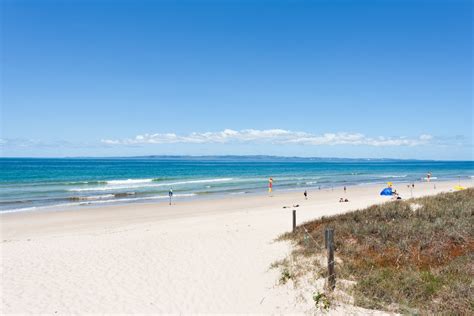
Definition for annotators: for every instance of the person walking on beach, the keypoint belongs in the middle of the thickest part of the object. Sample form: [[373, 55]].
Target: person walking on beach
[[305, 195], [270, 186], [170, 193], [345, 189]]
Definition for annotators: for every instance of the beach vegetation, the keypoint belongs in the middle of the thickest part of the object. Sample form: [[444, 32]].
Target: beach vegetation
[[321, 300], [401, 258], [279, 263], [285, 276]]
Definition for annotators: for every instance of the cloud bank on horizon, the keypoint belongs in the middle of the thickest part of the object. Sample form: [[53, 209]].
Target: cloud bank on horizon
[[272, 136], [277, 142]]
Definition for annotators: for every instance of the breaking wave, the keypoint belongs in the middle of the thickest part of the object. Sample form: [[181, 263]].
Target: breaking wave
[[393, 176], [139, 183]]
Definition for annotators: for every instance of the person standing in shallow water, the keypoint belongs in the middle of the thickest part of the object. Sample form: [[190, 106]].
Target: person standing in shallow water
[[170, 193]]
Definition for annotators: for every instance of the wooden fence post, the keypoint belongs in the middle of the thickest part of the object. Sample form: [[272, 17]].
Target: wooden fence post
[[326, 238], [329, 233], [294, 220]]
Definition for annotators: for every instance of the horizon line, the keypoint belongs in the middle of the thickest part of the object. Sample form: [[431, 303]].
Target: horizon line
[[233, 155]]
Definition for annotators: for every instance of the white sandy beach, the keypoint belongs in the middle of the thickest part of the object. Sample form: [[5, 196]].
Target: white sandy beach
[[202, 256]]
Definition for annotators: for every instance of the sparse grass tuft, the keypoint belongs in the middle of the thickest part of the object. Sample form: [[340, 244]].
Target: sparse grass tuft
[[285, 276], [279, 263], [321, 301], [404, 258]]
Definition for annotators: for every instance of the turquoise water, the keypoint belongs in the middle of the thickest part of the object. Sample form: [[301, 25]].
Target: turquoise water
[[28, 184]]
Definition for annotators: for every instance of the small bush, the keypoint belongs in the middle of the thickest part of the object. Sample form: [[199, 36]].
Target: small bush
[[321, 300]]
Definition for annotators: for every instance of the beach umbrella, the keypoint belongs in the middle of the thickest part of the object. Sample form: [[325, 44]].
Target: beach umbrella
[[386, 191]]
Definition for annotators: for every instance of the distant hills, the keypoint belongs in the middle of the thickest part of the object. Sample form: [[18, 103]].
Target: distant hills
[[265, 158], [254, 158]]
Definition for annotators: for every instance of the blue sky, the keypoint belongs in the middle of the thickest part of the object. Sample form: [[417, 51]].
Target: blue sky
[[293, 78]]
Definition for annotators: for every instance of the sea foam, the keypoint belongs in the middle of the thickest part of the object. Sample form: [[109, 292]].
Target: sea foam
[[140, 183], [129, 181]]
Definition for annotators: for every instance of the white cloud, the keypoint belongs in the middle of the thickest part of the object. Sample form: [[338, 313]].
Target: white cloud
[[37, 143], [273, 136], [426, 137]]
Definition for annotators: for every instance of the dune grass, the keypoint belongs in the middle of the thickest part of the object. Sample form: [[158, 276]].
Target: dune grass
[[414, 256]]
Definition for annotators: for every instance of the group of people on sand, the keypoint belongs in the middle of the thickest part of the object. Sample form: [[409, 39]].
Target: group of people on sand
[[343, 200]]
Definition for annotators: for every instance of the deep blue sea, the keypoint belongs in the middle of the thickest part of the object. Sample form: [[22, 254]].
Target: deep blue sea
[[29, 184]]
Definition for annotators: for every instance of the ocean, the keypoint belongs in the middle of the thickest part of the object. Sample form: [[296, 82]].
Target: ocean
[[35, 184]]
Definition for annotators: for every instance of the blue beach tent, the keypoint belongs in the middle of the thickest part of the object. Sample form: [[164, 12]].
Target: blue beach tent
[[386, 191]]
